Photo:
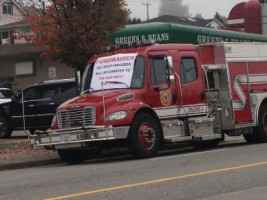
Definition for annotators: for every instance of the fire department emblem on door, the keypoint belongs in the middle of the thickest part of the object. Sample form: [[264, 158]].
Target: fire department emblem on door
[[165, 97]]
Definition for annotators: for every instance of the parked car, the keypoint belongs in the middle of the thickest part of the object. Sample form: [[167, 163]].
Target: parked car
[[40, 103], [5, 95]]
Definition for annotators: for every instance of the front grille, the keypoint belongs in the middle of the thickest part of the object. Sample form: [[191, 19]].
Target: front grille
[[77, 117]]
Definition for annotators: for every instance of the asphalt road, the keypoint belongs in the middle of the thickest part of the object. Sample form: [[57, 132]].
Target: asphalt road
[[234, 170]]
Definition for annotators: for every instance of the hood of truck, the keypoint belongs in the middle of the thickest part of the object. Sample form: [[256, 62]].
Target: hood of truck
[[2, 101], [94, 99]]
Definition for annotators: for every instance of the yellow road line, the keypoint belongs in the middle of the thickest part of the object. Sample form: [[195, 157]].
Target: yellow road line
[[157, 181]]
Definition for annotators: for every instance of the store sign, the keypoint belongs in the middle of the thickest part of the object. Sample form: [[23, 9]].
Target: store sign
[[157, 37], [113, 71], [203, 39]]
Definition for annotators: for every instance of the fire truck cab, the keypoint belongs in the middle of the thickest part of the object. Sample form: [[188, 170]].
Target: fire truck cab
[[145, 96]]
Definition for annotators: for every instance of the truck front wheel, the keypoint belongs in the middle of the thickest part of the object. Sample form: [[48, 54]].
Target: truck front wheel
[[144, 137], [250, 138], [5, 131], [73, 156]]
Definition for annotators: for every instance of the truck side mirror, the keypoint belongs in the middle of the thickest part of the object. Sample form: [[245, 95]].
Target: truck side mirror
[[13, 98], [169, 69], [78, 81], [169, 62]]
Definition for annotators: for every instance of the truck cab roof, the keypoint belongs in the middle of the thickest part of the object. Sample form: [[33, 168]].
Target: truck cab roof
[[145, 49]]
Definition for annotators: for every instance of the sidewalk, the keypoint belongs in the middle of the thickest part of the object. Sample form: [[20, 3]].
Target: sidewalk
[[15, 152]]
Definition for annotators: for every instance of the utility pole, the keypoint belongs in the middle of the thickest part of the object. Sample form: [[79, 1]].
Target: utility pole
[[147, 9], [43, 6]]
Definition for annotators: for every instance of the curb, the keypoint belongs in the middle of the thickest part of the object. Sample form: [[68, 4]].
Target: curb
[[17, 154], [29, 164]]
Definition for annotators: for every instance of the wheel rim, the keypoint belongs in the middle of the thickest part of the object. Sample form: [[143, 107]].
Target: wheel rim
[[3, 127], [265, 124], [147, 136]]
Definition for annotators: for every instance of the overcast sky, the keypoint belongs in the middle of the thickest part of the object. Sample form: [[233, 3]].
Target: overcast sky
[[207, 8]]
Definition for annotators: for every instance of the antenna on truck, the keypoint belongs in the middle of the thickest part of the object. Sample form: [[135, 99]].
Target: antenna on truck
[[23, 115], [103, 99]]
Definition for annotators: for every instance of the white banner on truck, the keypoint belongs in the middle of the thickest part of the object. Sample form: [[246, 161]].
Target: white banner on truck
[[113, 71]]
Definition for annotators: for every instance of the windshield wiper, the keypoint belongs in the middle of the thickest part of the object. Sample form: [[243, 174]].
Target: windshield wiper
[[117, 82], [87, 91]]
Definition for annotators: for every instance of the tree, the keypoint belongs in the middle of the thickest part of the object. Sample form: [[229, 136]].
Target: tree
[[198, 16], [174, 8], [75, 30], [134, 21], [222, 19], [219, 16]]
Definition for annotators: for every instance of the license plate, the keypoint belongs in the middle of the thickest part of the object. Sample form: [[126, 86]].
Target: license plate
[[65, 138]]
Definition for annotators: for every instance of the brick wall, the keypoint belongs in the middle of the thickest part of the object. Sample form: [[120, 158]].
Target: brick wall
[[12, 54], [41, 66]]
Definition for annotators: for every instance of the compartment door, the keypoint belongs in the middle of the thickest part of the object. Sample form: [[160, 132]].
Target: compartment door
[[240, 92]]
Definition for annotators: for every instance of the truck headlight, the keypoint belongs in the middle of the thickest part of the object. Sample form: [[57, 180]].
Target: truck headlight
[[116, 115]]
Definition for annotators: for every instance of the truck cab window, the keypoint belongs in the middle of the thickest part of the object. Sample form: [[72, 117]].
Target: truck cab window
[[48, 92], [188, 70], [68, 90], [158, 71], [87, 77], [29, 94], [136, 81], [138, 73]]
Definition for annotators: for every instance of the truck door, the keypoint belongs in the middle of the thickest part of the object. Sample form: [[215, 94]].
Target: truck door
[[193, 91], [45, 106], [16, 112], [162, 90]]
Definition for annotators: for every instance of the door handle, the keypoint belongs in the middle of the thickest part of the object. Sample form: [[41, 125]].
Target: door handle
[[156, 89], [202, 95], [31, 105], [174, 98], [52, 103]]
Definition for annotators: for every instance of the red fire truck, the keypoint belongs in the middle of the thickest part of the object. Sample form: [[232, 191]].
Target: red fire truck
[[144, 96]]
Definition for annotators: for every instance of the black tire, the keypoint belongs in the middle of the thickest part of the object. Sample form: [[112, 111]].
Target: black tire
[[73, 156], [5, 130], [144, 136], [260, 132], [205, 144], [250, 138], [32, 131]]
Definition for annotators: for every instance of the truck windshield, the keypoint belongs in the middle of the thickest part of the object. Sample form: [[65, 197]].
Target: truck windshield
[[118, 74]]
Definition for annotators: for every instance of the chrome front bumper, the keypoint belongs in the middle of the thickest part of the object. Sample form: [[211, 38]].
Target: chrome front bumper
[[77, 137]]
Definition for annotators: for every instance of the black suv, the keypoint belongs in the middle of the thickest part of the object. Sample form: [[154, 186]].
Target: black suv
[[40, 103]]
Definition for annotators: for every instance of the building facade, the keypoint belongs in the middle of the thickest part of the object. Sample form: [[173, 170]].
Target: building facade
[[21, 64], [10, 12]]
